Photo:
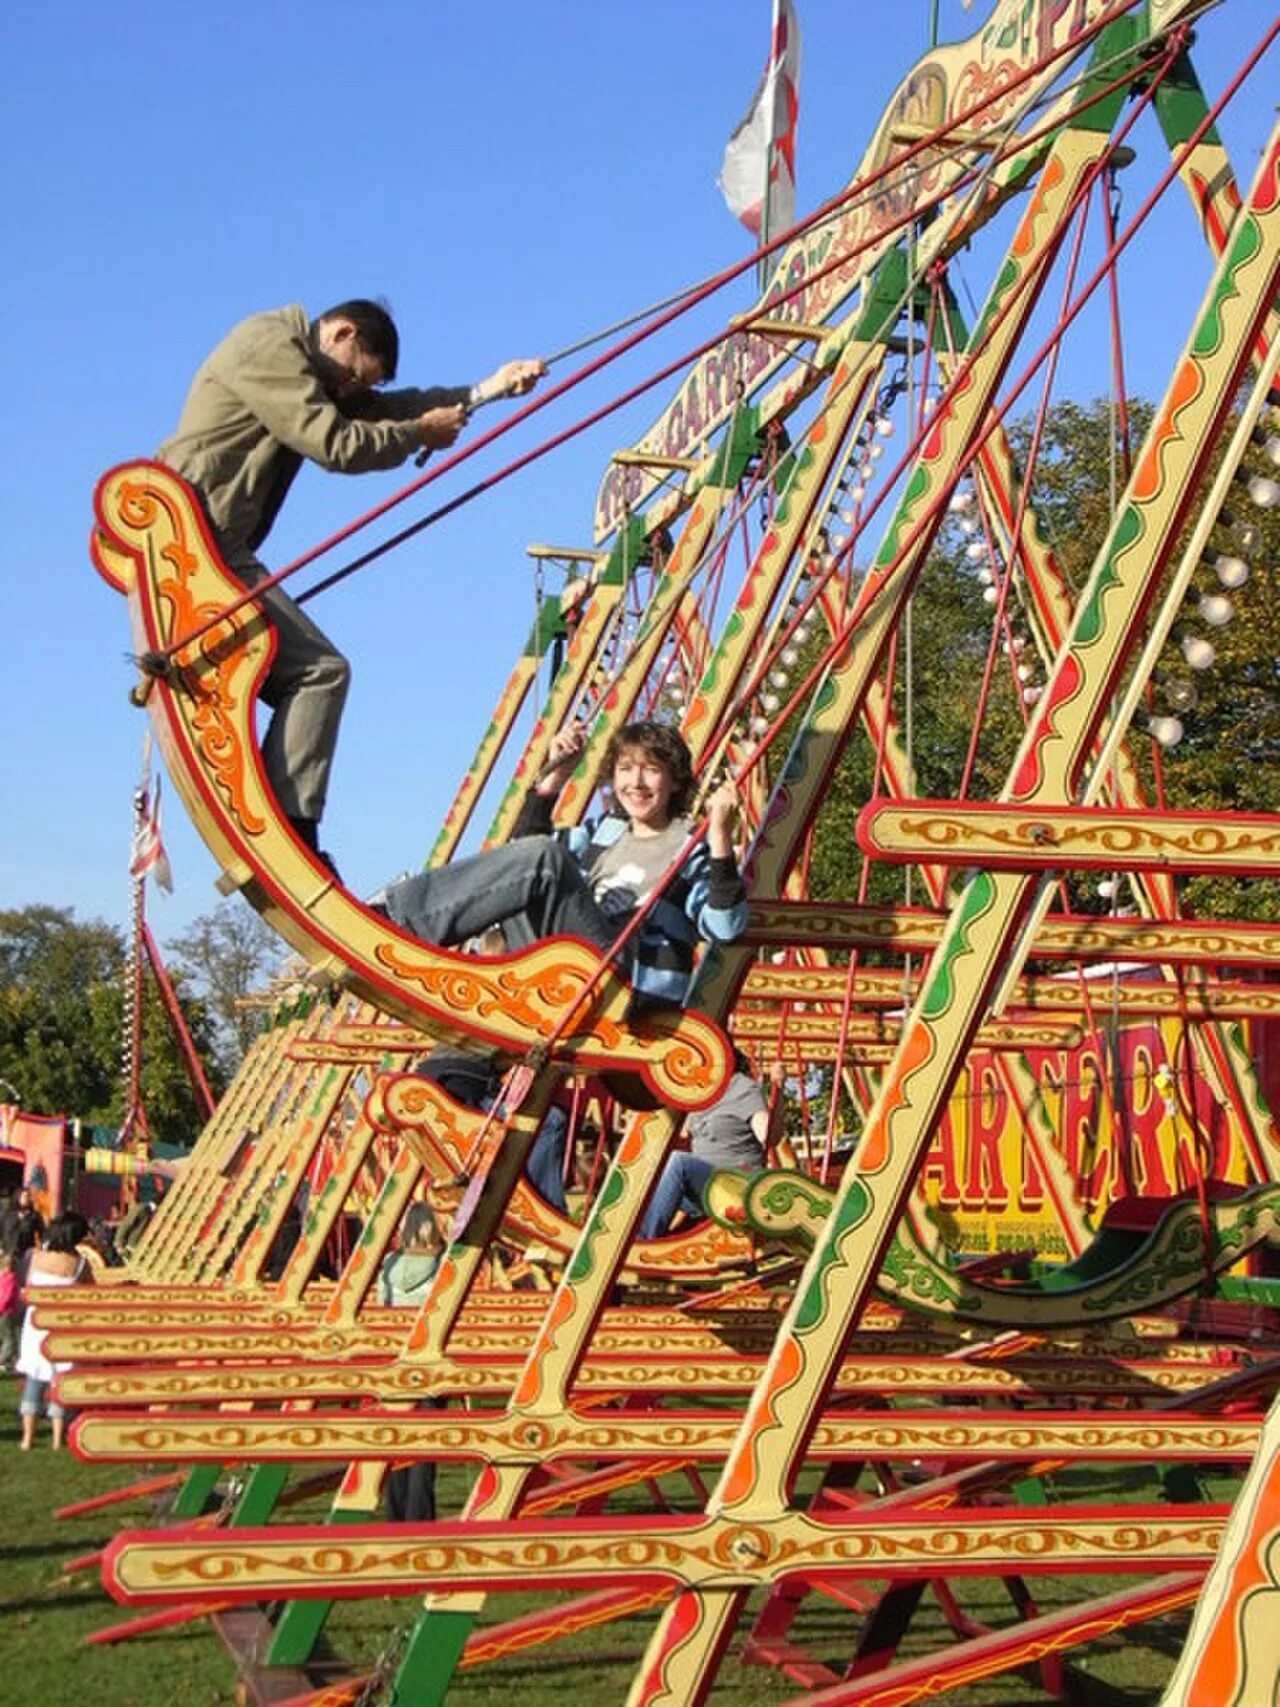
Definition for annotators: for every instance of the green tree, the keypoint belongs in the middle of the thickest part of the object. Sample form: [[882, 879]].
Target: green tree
[[62, 987], [226, 956], [1227, 757]]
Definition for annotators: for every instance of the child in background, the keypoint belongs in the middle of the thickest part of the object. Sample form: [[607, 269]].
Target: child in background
[[404, 1280]]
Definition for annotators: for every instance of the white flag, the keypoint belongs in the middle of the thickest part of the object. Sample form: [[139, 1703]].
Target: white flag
[[147, 853], [758, 172]]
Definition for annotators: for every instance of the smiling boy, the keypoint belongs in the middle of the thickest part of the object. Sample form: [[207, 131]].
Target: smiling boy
[[591, 880]]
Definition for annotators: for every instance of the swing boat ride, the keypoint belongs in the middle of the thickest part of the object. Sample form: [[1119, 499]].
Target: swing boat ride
[[850, 1409]]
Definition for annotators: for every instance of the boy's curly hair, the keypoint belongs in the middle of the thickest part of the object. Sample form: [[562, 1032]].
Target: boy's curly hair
[[663, 745]]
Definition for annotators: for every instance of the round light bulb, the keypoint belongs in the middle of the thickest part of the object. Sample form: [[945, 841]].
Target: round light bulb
[[1264, 491], [1247, 535], [1198, 651], [759, 726], [779, 957], [779, 678], [1031, 694], [858, 492], [885, 428], [770, 702], [848, 517], [1216, 609], [959, 502], [1271, 450], [1023, 672], [990, 595], [789, 656], [1107, 888], [1233, 572], [876, 452], [1167, 731], [976, 551], [1182, 694]]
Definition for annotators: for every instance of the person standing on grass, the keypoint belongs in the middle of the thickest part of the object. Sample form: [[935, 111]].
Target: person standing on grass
[[57, 1262]]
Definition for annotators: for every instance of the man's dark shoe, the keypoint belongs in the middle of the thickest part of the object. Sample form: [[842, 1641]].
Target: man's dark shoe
[[306, 830]]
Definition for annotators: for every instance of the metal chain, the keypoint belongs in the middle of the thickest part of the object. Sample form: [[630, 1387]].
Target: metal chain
[[384, 1668]]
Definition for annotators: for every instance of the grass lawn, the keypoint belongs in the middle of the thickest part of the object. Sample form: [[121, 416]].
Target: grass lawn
[[45, 1615]]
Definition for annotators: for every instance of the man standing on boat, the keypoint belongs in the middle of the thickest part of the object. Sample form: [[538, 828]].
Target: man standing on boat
[[279, 388]]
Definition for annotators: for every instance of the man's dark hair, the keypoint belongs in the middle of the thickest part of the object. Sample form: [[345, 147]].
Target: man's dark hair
[[375, 327], [663, 745]]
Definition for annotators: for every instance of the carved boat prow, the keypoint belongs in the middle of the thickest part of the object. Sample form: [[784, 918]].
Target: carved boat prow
[[200, 685]]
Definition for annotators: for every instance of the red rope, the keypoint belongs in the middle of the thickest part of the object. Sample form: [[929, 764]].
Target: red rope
[[844, 632], [1107, 1089], [1024, 494], [838, 261], [1201, 1143], [996, 417], [825, 211], [597, 1159], [1117, 350]]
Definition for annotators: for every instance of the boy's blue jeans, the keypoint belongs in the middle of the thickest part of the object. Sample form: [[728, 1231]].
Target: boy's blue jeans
[[533, 887]]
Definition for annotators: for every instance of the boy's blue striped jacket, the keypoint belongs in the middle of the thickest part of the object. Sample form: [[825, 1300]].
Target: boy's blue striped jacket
[[705, 899]]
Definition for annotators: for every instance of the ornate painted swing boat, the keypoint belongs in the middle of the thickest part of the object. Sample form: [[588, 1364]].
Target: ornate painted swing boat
[[1146, 1253], [153, 545], [751, 1534]]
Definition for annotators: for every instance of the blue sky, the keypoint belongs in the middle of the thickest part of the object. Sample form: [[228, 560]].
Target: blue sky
[[512, 177]]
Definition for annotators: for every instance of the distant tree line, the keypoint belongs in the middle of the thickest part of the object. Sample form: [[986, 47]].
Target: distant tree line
[[62, 1007]]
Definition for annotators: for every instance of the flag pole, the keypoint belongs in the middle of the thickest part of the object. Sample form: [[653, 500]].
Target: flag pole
[[762, 265], [757, 174]]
